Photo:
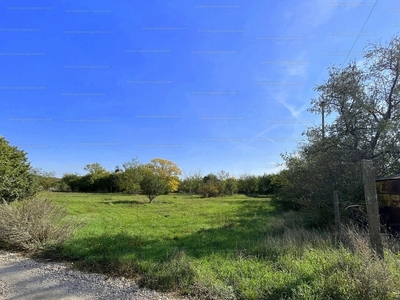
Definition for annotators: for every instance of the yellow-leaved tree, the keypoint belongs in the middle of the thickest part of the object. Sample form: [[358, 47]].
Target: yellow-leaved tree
[[167, 170]]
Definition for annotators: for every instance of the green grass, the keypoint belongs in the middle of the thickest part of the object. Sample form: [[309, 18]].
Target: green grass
[[222, 248]]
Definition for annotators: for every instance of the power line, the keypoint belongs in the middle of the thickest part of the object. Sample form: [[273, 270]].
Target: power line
[[348, 54]]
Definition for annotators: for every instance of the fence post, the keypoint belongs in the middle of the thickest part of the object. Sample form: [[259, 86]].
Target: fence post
[[371, 200], [337, 215]]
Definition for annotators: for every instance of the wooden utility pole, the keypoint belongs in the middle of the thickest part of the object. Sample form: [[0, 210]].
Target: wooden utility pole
[[323, 103], [337, 215], [371, 200]]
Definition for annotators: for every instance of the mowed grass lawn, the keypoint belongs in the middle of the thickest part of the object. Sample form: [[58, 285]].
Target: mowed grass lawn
[[234, 247]]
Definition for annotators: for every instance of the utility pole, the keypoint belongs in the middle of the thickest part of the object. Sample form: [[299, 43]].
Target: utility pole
[[371, 201], [322, 104]]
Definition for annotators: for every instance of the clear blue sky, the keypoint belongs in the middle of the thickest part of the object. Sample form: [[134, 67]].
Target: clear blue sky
[[211, 85]]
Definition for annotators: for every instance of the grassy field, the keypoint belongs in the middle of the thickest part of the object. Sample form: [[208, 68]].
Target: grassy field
[[222, 248]]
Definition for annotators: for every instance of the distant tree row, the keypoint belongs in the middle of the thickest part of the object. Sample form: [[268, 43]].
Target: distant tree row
[[222, 183], [160, 176]]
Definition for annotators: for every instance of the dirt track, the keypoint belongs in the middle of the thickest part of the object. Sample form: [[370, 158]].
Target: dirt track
[[24, 278]]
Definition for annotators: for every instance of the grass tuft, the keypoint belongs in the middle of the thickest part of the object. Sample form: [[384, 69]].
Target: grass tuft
[[175, 273]]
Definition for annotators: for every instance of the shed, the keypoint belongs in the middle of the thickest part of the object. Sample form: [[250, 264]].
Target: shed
[[388, 191]]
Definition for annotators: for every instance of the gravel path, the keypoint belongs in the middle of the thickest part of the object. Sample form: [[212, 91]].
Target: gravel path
[[24, 278]]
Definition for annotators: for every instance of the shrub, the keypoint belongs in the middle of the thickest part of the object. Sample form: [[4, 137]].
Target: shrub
[[17, 179], [34, 224], [208, 189]]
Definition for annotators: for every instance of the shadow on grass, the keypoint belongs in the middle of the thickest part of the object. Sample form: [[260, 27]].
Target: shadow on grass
[[129, 202], [233, 234], [165, 263]]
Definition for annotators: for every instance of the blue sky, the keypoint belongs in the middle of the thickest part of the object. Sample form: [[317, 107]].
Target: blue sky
[[211, 85]]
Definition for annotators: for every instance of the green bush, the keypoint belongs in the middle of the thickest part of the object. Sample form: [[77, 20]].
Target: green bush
[[16, 175]]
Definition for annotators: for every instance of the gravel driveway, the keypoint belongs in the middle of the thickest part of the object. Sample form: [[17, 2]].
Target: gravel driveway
[[24, 278]]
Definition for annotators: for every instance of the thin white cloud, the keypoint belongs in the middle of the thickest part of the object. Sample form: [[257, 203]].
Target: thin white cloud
[[295, 112]]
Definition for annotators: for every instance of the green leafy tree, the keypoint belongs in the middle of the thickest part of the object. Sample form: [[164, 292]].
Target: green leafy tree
[[17, 180], [267, 184], [209, 189], [191, 183], [131, 176], [364, 101], [46, 180], [97, 180], [231, 186], [71, 182], [115, 180], [153, 185], [210, 186], [167, 170], [248, 184]]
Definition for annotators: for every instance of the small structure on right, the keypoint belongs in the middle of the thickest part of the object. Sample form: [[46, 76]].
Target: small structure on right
[[388, 191]]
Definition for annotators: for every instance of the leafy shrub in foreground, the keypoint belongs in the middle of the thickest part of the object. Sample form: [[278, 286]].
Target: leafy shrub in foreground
[[34, 224]]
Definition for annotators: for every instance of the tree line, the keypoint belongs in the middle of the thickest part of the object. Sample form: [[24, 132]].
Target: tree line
[[160, 176]]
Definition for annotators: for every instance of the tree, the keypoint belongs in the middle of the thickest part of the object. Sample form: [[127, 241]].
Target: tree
[[248, 184], [97, 180], [191, 183], [218, 185], [231, 186], [267, 184], [95, 169], [131, 176], [71, 181], [115, 180], [17, 180], [208, 189], [211, 186], [167, 170], [45, 180], [153, 185], [364, 99]]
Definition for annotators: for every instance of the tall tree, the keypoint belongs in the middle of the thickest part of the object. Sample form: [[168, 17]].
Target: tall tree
[[131, 176], [97, 180], [153, 185], [46, 180], [71, 182], [167, 170], [364, 101], [191, 183]]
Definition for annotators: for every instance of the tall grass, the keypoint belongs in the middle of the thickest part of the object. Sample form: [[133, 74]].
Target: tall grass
[[226, 248]]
